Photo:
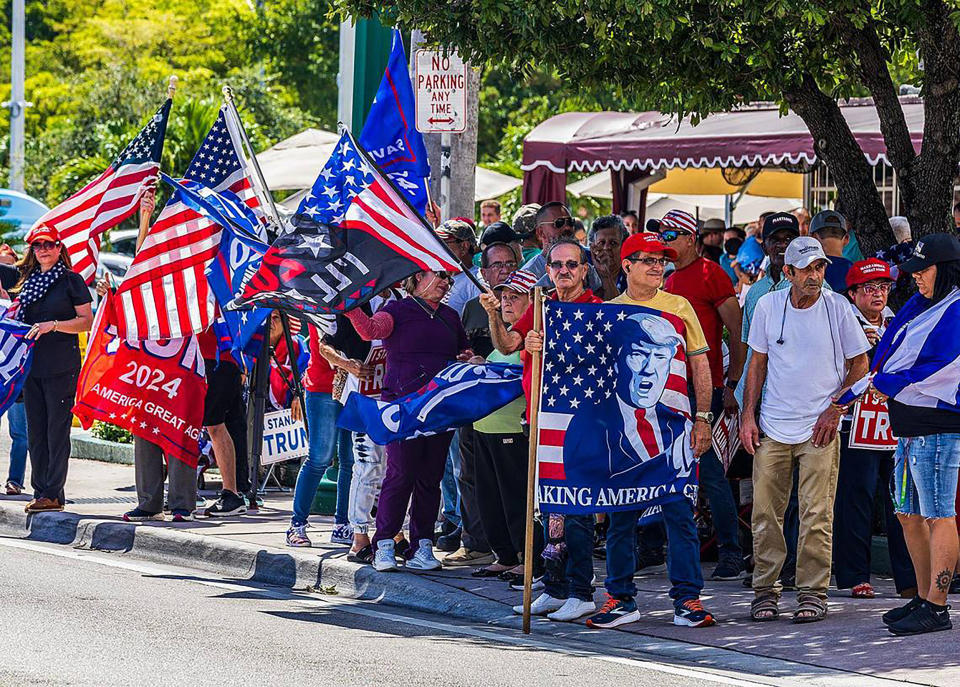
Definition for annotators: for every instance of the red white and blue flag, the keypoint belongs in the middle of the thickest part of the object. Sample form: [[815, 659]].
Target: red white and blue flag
[[109, 199], [353, 236], [165, 294], [614, 424]]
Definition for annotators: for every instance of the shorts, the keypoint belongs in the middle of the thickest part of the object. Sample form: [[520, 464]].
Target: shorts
[[224, 391], [924, 480]]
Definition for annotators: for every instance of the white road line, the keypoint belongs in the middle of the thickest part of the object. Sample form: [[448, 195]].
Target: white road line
[[357, 607]]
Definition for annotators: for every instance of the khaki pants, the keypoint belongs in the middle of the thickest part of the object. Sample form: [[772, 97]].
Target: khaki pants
[[773, 466]]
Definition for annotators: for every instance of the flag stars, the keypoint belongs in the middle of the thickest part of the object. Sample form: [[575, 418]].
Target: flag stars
[[621, 316], [564, 389], [607, 326], [578, 337], [578, 380], [588, 392], [589, 326], [551, 401], [590, 348], [566, 325], [578, 314], [574, 403]]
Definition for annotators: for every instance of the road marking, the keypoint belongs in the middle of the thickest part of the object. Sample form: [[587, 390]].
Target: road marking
[[361, 607]]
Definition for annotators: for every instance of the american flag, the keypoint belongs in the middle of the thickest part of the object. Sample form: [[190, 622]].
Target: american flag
[[165, 294], [352, 193], [584, 366], [109, 199]]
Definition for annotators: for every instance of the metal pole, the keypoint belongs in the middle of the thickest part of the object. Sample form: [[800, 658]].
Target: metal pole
[[17, 104], [445, 172]]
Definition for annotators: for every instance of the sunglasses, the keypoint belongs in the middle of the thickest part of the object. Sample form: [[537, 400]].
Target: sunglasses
[[560, 264], [669, 235], [44, 245], [650, 262], [560, 222]]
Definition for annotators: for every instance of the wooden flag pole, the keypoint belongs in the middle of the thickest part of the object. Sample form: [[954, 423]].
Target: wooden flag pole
[[145, 216], [532, 461]]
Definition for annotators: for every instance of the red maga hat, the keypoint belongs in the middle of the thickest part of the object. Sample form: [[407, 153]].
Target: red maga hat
[[649, 243], [41, 232], [867, 270]]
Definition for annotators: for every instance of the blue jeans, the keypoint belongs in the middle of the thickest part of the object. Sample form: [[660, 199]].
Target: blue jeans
[[573, 576], [322, 412], [448, 486], [345, 474], [17, 419], [683, 553], [925, 475]]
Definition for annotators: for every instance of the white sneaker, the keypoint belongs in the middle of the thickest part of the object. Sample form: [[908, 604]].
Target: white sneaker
[[541, 605], [383, 559], [573, 609], [424, 559]]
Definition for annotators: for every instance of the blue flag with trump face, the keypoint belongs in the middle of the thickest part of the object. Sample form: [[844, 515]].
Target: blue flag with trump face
[[390, 135], [16, 357]]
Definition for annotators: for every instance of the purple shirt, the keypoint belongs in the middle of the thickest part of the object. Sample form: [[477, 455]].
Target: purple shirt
[[422, 343]]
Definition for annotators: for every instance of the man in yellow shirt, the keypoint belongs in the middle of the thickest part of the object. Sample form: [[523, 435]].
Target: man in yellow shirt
[[644, 257]]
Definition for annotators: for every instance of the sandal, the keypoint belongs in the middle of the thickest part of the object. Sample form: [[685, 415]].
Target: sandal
[[810, 609], [764, 608], [364, 555], [488, 572], [864, 590]]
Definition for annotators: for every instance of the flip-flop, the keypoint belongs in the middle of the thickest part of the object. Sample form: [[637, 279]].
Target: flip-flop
[[364, 555]]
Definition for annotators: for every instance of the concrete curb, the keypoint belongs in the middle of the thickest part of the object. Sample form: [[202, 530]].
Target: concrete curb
[[87, 447], [242, 560]]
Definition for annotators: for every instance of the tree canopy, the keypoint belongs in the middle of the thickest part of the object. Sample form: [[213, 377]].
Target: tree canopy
[[703, 56]]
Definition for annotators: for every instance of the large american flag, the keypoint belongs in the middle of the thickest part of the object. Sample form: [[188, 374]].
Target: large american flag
[[581, 370], [109, 199], [165, 294]]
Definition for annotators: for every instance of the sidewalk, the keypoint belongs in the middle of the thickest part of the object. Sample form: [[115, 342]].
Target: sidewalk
[[851, 639]]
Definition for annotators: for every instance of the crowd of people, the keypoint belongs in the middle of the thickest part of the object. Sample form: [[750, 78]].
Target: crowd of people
[[781, 317]]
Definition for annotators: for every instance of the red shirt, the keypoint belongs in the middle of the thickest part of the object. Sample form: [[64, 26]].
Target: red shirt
[[706, 286], [525, 324], [319, 375]]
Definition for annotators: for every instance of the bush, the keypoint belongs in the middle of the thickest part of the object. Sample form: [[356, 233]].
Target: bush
[[108, 432]]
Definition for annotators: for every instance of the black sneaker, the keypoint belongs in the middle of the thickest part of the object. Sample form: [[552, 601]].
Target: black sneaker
[[923, 619], [650, 562], [728, 571], [955, 584], [614, 612], [449, 542], [140, 515], [900, 612], [228, 504]]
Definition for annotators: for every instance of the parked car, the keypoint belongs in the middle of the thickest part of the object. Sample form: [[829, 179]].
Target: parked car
[[19, 210]]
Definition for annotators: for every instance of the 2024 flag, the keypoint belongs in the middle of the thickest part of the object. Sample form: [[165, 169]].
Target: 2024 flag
[[614, 424]]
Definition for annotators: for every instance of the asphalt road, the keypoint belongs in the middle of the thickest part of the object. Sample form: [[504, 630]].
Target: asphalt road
[[86, 618]]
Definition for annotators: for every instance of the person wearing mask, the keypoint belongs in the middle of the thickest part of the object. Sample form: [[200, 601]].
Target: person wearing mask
[[55, 301], [421, 336], [607, 234], [644, 259], [807, 348], [553, 222], [489, 212], [703, 283], [733, 238], [918, 379], [829, 227], [868, 285], [568, 588], [501, 454]]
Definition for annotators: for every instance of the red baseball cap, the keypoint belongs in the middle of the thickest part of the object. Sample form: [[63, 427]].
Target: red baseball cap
[[41, 232], [649, 243], [867, 270]]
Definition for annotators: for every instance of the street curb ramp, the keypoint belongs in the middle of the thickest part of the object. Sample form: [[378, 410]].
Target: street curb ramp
[[248, 562]]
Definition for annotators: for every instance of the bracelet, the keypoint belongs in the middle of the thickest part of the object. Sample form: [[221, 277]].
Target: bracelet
[[55, 323]]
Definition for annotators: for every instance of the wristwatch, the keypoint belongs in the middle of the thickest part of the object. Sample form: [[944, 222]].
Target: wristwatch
[[732, 385], [705, 416]]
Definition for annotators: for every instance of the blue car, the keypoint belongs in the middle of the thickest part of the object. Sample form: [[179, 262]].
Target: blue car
[[20, 210]]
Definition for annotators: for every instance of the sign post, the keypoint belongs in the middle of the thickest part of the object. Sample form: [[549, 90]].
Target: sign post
[[441, 92]]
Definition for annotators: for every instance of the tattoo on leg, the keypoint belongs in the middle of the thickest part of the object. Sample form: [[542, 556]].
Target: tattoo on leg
[[943, 580]]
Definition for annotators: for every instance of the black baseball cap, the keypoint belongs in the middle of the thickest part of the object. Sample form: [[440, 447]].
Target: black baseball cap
[[498, 232], [828, 219], [780, 221], [931, 249]]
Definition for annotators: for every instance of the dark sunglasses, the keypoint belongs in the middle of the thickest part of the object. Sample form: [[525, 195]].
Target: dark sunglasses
[[45, 245], [669, 235], [560, 264], [560, 222], [650, 262]]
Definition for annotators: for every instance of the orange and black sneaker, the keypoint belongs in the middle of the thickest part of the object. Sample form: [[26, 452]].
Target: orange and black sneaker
[[691, 614], [614, 612]]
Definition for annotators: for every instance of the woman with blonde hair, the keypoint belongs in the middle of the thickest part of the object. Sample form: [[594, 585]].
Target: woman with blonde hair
[[54, 299]]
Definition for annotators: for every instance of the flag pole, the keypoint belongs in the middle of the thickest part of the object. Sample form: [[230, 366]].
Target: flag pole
[[532, 461], [294, 368], [228, 98], [145, 216]]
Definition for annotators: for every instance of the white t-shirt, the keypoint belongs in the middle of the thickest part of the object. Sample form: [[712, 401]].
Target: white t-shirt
[[807, 369]]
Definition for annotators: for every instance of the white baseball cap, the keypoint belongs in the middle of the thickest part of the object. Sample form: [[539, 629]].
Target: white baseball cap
[[802, 251]]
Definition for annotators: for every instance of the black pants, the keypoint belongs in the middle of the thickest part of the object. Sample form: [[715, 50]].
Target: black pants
[[473, 536], [501, 488], [48, 402], [236, 424], [853, 518]]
